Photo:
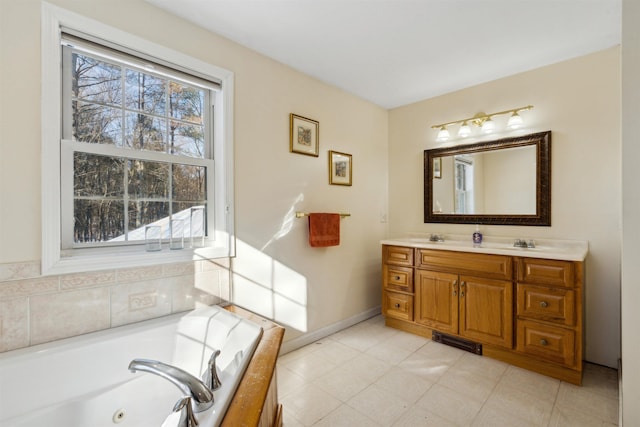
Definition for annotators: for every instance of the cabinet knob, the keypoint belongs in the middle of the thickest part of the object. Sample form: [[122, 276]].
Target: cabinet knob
[[396, 305], [396, 277], [544, 342], [544, 304]]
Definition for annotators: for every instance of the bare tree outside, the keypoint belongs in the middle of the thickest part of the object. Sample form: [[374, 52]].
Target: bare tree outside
[[133, 110]]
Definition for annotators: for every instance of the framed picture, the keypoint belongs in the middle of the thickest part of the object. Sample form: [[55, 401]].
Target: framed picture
[[303, 135], [437, 167], [339, 168]]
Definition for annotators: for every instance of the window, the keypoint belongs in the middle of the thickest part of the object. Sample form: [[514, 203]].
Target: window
[[464, 185], [136, 145]]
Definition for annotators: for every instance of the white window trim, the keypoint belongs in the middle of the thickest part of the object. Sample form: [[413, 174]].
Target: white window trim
[[53, 18]]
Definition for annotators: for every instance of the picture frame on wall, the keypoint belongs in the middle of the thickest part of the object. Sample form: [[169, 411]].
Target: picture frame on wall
[[304, 135], [437, 167], [340, 168]]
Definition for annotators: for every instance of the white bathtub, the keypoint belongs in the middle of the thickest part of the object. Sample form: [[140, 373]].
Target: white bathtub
[[84, 381]]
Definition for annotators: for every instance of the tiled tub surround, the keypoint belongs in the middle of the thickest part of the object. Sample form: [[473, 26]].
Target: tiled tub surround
[[35, 309]]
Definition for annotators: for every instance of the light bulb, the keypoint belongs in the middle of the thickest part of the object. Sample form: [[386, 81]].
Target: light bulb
[[488, 126], [515, 121], [443, 134], [464, 130]]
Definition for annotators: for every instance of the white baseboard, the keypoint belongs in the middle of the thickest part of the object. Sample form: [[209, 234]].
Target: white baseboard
[[306, 339]]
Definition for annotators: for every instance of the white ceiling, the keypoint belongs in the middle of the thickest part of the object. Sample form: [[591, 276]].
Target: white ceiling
[[395, 52]]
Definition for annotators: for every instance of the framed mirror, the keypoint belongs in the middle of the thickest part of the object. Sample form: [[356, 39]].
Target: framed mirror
[[501, 182]]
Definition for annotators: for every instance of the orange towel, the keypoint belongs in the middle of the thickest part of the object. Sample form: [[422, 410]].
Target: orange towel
[[324, 229]]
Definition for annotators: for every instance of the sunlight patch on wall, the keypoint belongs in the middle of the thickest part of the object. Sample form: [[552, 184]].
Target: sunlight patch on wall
[[268, 287], [253, 296]]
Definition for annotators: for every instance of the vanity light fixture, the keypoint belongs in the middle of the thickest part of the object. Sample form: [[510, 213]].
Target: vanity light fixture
[[443, 134], [464, 130], [515, 121], [488, 126], [483, 121]]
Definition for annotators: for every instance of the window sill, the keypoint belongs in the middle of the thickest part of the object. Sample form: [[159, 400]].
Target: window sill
[[129, 259]]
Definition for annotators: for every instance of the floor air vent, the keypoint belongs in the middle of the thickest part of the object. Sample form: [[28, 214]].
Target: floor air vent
[[457, 342]]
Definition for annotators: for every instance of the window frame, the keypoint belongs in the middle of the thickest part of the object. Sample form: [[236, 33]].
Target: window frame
[[55, 260]]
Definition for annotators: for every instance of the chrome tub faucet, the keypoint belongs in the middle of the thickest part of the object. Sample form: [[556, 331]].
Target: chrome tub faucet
[[200, 395], [210, 377]]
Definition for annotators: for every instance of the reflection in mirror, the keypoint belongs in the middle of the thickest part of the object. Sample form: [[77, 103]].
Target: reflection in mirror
[[498, 182]]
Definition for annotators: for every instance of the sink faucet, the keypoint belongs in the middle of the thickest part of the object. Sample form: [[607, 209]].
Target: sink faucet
[[520, 243], [200, 395]]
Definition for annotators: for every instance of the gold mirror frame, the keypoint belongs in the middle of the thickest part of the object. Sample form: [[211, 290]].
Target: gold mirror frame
[[542, 217]]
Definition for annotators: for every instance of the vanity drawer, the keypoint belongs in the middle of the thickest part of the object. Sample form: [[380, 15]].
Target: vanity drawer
[[551, 343], [492, 266], [397, 278], [397, 255], [546, 272], [399, 306], [551, 304]]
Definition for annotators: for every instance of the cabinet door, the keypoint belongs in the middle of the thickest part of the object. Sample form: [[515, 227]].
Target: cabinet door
[[397, 305], [396, 278], [548, 342], [397, 255], [546, 272], [437, 300], [555, 305], [486, 310]]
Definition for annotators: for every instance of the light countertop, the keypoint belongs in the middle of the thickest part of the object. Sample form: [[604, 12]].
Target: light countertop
[[569, 250]]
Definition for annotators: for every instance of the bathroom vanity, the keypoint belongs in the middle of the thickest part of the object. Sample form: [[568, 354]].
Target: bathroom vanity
[[519, 305]]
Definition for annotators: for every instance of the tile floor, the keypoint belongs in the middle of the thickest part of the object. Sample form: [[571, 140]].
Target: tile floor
[[371, 375]]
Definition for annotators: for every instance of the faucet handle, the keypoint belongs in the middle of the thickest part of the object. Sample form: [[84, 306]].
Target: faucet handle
[[211, 376], [187, 418]]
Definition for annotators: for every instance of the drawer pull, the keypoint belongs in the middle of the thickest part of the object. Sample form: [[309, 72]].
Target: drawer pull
[[544, 304], [396, 277], [396, 305], [544, 342]]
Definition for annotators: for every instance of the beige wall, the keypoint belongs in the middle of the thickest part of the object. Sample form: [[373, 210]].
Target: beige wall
[[630, 391], [579, 101], [276, 273]]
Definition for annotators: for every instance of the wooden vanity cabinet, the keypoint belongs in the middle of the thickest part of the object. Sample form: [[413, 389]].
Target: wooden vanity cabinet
[[473, 307], [524, 311]]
